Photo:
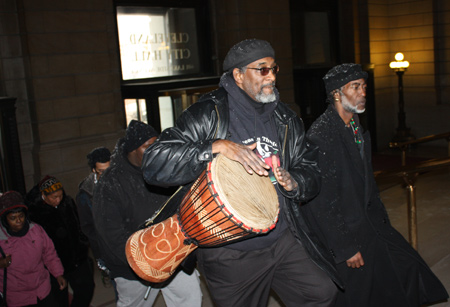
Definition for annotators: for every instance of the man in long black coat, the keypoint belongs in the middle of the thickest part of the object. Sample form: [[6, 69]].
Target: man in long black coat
[[377, 264]]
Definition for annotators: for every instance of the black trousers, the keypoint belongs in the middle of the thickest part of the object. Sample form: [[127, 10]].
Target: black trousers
[[48, 301], [81, 280], [244, 278]]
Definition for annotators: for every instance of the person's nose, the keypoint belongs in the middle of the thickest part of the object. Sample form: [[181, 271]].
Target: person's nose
[[363, 92], [271, 76]]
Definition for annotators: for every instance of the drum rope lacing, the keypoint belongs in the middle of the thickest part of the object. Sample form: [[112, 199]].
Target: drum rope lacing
[[193, 223]]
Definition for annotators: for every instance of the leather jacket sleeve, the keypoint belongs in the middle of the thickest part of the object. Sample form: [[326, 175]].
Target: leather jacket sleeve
[[300, 160], [182, 152]]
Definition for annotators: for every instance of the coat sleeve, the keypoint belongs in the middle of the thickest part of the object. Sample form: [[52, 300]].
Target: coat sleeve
[[110, 222], [303, 166], [182, 152], [76, 218], [84, 207], [325, 209], [49, 255]]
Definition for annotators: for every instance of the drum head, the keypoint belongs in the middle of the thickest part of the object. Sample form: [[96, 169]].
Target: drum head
[[251, 199]]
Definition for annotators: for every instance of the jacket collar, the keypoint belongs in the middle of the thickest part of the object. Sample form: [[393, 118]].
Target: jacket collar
[[4, 235], [241, 100], [88, 184]]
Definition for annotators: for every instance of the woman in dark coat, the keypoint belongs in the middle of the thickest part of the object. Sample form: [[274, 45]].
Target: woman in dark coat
[[377, 264], [56, 212]]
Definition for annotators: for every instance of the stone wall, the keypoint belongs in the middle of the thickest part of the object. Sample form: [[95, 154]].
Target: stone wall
[[409, 27], [60, 59], [441, 11]]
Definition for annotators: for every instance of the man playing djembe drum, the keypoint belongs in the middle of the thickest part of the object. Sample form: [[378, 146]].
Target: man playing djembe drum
[[245, 121]]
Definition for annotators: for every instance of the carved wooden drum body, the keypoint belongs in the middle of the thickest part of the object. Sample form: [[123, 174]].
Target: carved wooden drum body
[[225, 204]]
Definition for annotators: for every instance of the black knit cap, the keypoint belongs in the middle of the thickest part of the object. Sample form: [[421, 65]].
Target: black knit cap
[[340, 75], [11, 200], [246, 52], [137, 134], [99, 154]]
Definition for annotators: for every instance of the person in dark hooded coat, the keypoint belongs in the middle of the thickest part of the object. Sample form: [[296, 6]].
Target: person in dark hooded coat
[[56, 212], [122, 203], [377, 264], [98, 161]]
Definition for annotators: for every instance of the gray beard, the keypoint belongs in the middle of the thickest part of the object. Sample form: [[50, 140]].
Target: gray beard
[[350, 108], [265, 98]]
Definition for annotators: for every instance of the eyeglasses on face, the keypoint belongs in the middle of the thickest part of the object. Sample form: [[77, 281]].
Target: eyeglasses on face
[[265, 70]]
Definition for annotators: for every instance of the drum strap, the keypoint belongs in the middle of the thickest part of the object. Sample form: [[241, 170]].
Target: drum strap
[[149, 221]]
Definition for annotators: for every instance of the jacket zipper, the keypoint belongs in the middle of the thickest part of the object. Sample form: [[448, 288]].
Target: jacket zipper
[[218, 120], [284, 142]]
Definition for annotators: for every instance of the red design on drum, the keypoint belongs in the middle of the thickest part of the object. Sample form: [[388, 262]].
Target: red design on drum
[[223, 205]]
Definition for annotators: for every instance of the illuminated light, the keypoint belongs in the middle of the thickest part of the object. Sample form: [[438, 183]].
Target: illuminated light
[[399, 64], [399, 56], [403, 133]]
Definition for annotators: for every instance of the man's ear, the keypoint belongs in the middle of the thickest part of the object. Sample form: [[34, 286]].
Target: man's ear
[[336, 96], [238, 75]]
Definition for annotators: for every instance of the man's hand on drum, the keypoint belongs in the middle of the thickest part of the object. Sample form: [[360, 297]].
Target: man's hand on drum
[[242, 154], [282, 176]]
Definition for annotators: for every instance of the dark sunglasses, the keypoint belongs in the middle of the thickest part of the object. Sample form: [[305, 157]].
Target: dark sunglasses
[[265, 70]]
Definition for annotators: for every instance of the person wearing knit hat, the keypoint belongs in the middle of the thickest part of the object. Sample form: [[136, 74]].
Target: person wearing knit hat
[[246, 121], [138, 137], [137, 134], [246, 52], [379, 267], [27, 256], [49, 184], [10, 201], [50, 207], [122, 202], [340, 75], [340, 78]]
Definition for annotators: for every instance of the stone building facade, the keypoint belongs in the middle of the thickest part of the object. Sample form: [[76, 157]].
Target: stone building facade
[[60, 60]]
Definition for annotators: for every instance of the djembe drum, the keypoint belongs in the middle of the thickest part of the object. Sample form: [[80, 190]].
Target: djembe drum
[[225, 204]]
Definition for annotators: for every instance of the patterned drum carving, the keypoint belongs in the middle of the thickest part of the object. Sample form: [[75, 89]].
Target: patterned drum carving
[[224, 204]]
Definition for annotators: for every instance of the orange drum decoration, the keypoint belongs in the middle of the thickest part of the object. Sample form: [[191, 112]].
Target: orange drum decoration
[[225, 204]]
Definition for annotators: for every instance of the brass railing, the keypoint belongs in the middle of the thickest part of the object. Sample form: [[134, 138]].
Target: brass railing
[[409, 175], [405, 145]]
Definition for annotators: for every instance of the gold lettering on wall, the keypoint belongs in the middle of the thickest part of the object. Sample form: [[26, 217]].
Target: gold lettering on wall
[[151, 45]]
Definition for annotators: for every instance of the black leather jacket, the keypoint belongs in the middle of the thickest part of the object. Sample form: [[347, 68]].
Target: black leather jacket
[[181, 153]]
